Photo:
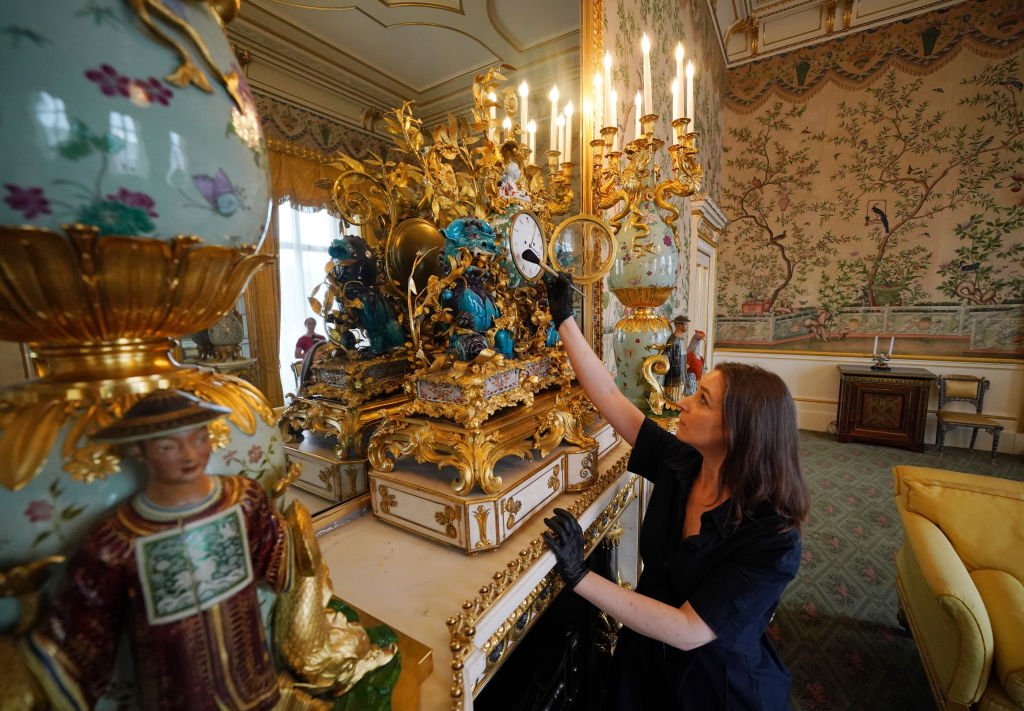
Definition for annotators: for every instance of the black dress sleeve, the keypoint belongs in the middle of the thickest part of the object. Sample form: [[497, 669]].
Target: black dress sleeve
[[737, 598], [657, 451]]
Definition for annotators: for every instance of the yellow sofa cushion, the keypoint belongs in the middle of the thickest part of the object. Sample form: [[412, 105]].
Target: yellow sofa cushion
[[1003, 596], [985, 526]]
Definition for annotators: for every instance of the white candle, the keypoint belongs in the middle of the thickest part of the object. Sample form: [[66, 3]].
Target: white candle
[[690, 108], [636, 105], [531, 131], [524, 100], [613, 109], [679, 67], [569, 110], [553, 95], [507, 125], [875, 349], [598, 87], [492, 123], [675, 99], [561, 134], [892, 340], [607, 94], [645, 46]]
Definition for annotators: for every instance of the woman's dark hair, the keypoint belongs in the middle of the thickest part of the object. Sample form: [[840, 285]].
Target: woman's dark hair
[[762, 461]]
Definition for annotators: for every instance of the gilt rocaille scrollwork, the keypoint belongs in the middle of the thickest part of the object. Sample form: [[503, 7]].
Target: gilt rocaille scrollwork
[[32, 416], [188, 72]]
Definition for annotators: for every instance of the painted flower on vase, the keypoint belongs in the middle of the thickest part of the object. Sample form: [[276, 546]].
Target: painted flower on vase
[[29, 201], [110, 81], [125, 212], [39, 510], [131, 198], [115, 218], [153, 92], [260, 460], [141, 92], [48, 511]]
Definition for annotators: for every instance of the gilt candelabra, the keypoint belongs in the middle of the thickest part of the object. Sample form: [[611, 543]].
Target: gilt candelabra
[[630, 184]]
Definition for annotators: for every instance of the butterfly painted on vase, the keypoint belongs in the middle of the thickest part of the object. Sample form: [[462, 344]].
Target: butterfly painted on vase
[[221, 196]]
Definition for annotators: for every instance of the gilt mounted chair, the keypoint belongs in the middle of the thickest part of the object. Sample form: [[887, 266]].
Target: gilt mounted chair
[[970, 389]]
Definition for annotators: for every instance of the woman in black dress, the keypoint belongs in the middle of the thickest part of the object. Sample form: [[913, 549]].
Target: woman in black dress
[[720, 538]]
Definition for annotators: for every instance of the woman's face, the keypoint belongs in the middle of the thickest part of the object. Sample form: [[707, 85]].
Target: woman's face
[[701, 424]]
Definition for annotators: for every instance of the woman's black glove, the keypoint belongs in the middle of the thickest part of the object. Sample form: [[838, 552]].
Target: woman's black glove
[[566, 541], [559, 297]]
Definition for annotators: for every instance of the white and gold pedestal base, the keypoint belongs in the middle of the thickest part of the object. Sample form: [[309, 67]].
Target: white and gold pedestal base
[[420, 499], [324, 474]]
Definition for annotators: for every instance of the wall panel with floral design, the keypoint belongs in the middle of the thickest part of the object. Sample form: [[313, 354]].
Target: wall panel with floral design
[[875, 187]]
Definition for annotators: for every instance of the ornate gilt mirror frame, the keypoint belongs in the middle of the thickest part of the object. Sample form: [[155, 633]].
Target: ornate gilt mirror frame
[[591, 49]]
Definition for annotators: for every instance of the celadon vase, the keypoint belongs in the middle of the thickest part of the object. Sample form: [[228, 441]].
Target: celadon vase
[[134, 194], [103, 123], [642, 278]]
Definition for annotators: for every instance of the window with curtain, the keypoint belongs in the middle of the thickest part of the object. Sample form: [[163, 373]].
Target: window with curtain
[[305, 236]]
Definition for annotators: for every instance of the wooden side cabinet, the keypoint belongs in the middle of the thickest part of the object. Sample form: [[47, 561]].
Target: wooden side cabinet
[[883, 406]]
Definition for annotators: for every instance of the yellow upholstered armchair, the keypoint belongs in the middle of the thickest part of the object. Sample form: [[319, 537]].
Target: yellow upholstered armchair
[[960, 577]]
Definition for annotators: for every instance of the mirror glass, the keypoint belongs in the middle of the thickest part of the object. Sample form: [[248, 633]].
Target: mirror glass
[[359, 59]]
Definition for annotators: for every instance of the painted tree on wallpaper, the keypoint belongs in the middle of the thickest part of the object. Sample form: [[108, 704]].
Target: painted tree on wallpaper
[[903, 162], [778, 233]]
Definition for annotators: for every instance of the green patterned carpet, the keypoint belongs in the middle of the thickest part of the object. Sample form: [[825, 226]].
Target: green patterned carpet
[[836, 627]]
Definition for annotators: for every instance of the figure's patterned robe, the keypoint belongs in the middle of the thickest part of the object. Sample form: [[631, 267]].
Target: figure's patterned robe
[[213, 658]]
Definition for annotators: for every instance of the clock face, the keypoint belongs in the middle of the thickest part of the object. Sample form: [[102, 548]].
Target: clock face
[[525, 234]]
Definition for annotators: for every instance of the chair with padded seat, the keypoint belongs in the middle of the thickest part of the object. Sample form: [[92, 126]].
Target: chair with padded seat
[[970, 389]]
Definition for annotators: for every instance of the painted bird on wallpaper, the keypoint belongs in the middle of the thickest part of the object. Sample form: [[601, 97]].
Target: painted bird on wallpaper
[[882, 217]]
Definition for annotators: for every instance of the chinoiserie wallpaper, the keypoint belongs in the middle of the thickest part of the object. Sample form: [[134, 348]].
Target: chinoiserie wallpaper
[[667, 22], [874, 186]]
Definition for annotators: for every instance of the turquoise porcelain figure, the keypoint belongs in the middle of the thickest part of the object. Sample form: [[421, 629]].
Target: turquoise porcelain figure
[[116, 117], [363, 309], [642, 278], [472, 298]]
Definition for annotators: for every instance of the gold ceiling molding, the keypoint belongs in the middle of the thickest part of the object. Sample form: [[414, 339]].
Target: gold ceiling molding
[[919, 46]]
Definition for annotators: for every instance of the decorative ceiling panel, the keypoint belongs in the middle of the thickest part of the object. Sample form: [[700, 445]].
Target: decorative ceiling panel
[[399, 50]]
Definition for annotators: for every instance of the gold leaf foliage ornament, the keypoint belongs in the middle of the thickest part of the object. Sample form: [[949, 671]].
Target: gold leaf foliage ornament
[[32, 417], [188, 72]]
